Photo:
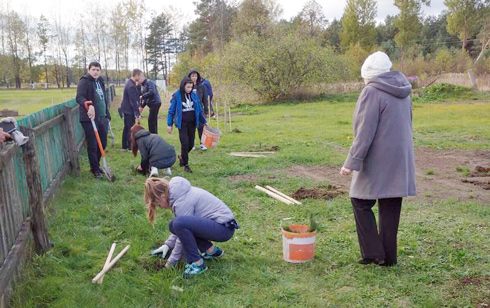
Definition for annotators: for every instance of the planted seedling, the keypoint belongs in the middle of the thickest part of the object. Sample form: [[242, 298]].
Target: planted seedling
[[312, 226]]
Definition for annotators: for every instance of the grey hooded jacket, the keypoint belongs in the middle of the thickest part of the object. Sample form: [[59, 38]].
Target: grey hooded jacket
[[186, 200], [154, 150], [382, 154]]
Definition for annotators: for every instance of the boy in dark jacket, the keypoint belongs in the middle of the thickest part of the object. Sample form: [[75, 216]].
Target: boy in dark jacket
[[130, 106], [185, 111], [151, 98], [202, 93], [209, 88], [91, 94], [155, 152]]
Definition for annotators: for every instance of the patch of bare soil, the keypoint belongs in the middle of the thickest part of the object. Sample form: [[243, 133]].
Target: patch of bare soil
[[447, 182], [264, 148], [442, 183], [475, 280], [321, 192], [154, 265]]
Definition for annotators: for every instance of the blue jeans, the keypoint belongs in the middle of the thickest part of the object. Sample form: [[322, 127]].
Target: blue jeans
[[197, 233], [164, 163]]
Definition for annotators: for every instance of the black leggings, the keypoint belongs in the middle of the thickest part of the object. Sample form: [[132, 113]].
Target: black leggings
[[187, 135], [153, 119], [200, 130], [383, 244]]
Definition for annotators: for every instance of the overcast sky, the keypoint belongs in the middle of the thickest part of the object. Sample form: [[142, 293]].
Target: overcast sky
[[69, 8]]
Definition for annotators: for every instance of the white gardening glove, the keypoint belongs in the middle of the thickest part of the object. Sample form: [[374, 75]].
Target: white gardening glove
[[162, 250]]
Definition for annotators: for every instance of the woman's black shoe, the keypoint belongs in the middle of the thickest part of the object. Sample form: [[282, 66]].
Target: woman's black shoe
[[187, 169], [387, 263], [366, 261]]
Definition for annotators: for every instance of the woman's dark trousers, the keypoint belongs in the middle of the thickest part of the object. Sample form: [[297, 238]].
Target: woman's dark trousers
[[378, 244]]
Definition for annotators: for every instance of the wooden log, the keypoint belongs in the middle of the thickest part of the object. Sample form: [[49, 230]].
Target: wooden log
[[71, 140], [273, 195], [107, 261], [106, 269], [247, 155], [283, 195], [35, 191]]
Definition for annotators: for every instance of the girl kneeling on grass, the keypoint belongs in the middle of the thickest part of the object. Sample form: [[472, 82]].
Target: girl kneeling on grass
[[155, 152], [186, 111], [200, 218]]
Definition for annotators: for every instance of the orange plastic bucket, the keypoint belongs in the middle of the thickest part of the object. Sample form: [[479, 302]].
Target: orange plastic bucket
[[298, 247], [210, 136]]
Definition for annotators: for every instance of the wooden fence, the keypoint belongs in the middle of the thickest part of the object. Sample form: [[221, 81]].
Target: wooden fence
[[29, 177]]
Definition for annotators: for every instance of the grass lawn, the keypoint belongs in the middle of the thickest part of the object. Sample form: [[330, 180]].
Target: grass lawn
[[444, 245], [28, 101]]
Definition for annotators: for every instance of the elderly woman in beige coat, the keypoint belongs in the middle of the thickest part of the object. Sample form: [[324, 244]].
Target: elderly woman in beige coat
[[381, 158]]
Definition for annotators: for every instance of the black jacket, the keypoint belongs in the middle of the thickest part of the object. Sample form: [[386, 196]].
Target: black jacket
[[86, 92], [152, 148], [131, 97], [150, 94], [201, 91]]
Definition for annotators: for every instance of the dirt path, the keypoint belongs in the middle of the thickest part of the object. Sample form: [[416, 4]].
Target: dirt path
[[437, 177]]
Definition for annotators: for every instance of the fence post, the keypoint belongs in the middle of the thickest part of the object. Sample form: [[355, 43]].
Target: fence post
[[472, 78], [35, 191], [71, 141]]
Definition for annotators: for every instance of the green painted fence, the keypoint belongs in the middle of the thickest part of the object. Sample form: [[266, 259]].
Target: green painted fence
[[58, 140]]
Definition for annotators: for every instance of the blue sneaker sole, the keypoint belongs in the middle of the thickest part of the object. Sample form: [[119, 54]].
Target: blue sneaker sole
[[213, 257], [189, 276]]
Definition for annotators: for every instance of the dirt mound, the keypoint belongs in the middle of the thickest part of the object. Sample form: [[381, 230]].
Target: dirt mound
[[320, 192], [480, 172]]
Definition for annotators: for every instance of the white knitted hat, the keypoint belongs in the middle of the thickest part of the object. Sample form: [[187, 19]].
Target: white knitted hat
[[376, 64]]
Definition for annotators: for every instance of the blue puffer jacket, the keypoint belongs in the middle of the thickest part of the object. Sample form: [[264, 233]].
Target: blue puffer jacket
[[175, 109]]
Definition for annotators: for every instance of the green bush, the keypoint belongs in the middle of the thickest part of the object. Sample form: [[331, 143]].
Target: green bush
[[274, 67], [441, 92]]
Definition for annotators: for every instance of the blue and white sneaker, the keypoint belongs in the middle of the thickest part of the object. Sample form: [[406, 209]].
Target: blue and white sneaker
[[217, 253], [192, 270]]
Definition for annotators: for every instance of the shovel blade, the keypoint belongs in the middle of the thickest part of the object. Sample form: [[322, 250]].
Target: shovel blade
[[108, 173]]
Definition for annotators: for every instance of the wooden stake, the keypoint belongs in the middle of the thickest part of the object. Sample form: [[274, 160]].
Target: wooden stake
[[273, 195], [283, 195], [225, 120], [107, 261], [209, 109], [106, 269], [255, 152], [229, 118], [236, 154], [217, 116]]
